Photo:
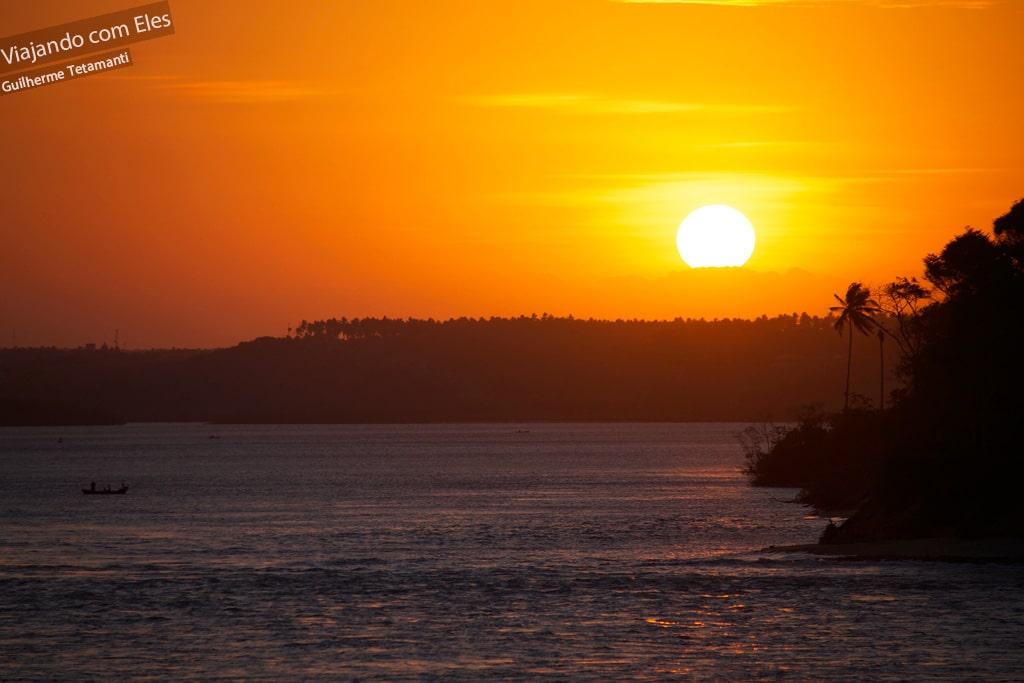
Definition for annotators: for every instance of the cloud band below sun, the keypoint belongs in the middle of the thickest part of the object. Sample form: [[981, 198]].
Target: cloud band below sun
[[246, 92], [595, 104], [894, 4]]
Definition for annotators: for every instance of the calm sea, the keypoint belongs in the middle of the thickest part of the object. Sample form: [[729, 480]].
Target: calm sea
[[504, 552]]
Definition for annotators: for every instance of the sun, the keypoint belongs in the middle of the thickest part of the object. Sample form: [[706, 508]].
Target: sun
[[715, 236]]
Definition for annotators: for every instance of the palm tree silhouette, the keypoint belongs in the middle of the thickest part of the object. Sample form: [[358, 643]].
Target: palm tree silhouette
[[856, 311], [881, 368]]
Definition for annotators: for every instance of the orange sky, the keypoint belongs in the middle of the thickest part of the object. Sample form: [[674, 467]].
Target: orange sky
[[275, 161]]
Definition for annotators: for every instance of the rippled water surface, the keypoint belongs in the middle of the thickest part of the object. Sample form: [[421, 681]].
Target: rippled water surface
[[455, 552]]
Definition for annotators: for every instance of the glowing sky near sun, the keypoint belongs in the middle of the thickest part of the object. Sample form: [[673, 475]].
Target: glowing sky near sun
[[272, 162]]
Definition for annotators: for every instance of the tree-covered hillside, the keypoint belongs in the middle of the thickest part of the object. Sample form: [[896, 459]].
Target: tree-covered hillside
[[527, 368]]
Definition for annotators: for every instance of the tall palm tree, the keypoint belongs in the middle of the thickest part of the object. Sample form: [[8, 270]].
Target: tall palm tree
[[881, 368], [856, 311]]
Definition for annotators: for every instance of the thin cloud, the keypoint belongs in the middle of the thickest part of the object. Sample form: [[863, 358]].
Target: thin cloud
[[592, 104], [671, 186], [937, 171], [890, 4], [910, 174], [662, 193], [247, 92], [752, 144], [147, 78]]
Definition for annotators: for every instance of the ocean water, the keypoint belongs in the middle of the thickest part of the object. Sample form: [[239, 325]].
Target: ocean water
[[573, 552]]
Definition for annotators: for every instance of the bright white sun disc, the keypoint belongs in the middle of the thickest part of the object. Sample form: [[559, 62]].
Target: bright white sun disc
[[715, 236]]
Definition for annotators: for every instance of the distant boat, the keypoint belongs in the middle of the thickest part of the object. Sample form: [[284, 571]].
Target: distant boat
[[105, 492]]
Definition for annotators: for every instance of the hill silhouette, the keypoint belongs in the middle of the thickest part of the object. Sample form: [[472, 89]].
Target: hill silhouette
[[498, 369]]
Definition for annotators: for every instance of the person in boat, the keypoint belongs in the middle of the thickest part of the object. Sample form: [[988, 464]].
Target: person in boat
[[92, 486], [108, 487]]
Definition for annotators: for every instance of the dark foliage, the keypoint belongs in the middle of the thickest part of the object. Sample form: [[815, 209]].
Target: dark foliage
[[527, 368], [832, 458], [942, 460]]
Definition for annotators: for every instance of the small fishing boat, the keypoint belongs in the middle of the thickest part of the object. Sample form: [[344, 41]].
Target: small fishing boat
[[92, 490]]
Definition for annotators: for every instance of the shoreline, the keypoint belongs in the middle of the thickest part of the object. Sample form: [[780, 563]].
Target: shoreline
[[1001, 550]]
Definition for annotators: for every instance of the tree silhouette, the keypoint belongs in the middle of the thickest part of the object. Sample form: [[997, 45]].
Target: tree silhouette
[[902, 302], [970, 264], [938, 461], [856, 311], [881, 369], [1010, 227]]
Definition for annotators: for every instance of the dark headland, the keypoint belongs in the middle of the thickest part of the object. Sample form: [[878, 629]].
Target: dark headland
[[935, 474]]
